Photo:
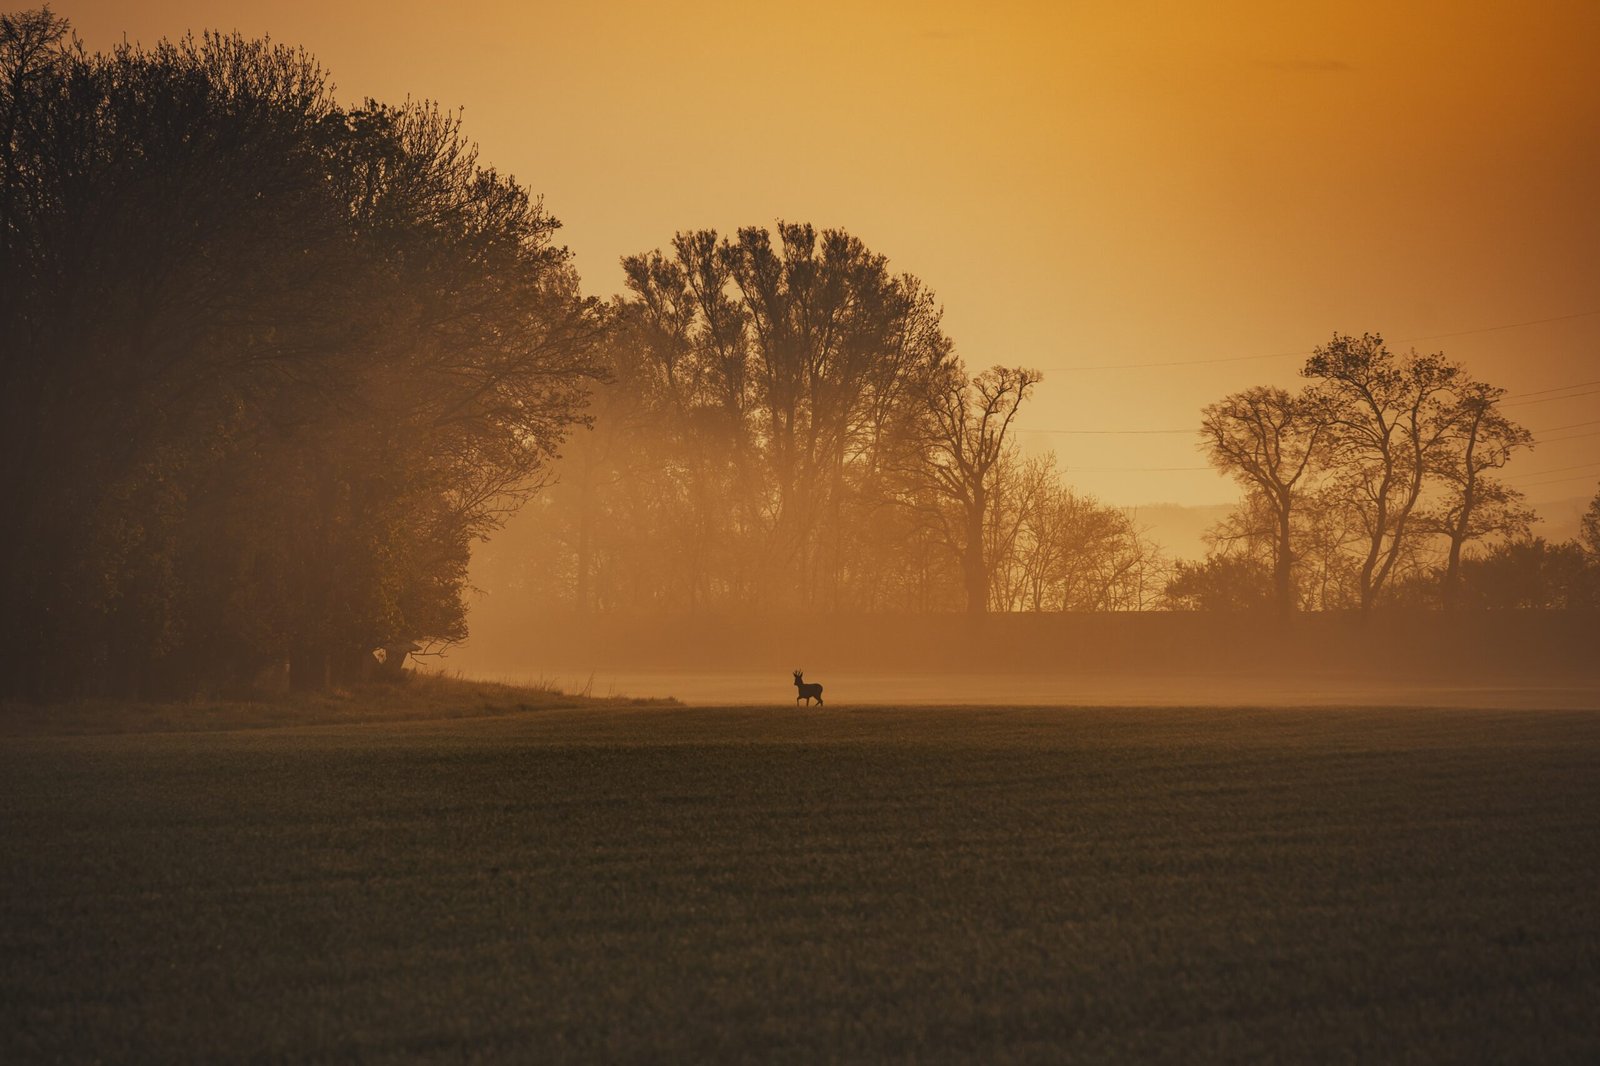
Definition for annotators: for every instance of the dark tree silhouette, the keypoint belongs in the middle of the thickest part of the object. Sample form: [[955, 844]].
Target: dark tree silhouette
[[1589, 528], [272, 364], [1268, 440], [1480, 439], [1531, 574], [967, 437], [1222, 583], [777, 373], [1054, 549], [1387, 417]]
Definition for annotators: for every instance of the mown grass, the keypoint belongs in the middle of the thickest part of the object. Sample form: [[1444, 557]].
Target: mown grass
[[678, 884]]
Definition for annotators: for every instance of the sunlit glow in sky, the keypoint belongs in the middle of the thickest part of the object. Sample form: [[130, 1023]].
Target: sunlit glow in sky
[[1104, 185]]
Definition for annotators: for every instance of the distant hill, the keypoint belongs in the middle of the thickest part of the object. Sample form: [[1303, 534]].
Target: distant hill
[[1179, 528]]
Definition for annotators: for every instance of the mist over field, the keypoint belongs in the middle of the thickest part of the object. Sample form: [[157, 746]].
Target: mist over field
[[888, 690], [1173, 659]]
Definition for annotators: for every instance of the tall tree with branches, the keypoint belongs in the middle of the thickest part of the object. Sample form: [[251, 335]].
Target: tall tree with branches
[[272, 364], [1480, 439], [1268, 441], [1387, 419], [970, 421], [794, 362]]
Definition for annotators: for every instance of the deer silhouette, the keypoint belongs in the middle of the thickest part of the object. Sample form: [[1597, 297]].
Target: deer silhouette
[[806, 692]]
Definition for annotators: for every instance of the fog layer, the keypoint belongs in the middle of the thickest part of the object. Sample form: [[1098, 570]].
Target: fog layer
[[1523, 659]]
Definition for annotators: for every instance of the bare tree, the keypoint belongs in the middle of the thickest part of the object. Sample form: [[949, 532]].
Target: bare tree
[[970, 420], [1268, 440], [1480, 438], [1015, 495], [1332, 534], [1387, 418]]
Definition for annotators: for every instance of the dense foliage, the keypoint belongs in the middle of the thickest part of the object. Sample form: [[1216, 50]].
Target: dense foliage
[[787, 426], [271, 363]]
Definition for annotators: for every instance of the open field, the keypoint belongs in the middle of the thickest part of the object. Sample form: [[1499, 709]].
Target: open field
[[1105, 689], [676, 883]]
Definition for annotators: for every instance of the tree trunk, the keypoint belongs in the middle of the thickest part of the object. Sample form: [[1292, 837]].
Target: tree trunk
[[308, 669], [1368, 583], [1449, 589], [1451, 586], [976, 574], [351, 666], [1282, 572]]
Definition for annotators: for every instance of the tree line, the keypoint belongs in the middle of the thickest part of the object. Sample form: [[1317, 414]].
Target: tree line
[[275, 364], [1373, 485], [785, 425], [763, 441], [271, 364]]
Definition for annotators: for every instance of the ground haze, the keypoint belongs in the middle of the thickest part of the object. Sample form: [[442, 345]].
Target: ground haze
[[675, 883]]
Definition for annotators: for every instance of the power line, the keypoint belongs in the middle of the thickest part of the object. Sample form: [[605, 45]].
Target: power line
[[1179, 362], [1541, 396], [1129, 469], [1174, 469], [1196, 429], [1111, 432], [1558, 481], [1592, 432], [1571, 425], [1551, 399], [1170, 469], [1304, 352], [1558, 388], [1570, 436], [1492, 329], [1073, 469], [1519, 399], [1558, 470], [1547, 429]]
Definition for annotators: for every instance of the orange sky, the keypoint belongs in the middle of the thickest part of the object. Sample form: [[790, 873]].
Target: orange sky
[[1083, 184]]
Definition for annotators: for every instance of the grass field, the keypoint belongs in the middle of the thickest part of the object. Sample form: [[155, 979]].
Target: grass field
[[675, 884]]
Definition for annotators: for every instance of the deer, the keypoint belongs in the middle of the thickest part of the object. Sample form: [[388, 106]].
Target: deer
[[806, 691]]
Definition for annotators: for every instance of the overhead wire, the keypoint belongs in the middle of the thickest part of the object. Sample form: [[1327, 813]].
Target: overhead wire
[[1559, 469], [1130, 469], [1549, 395], [1551, 399], [1569, 436], [1071, 468], [1558, 388], [1570, 425], [1304, 352], [1558, 481], [1112, 432], [1518, 399]]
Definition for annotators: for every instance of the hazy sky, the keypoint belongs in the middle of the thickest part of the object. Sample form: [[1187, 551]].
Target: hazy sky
[[1083, 184]]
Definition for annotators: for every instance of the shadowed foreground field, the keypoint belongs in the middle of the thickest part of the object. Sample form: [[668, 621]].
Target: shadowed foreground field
[[677, 883]]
